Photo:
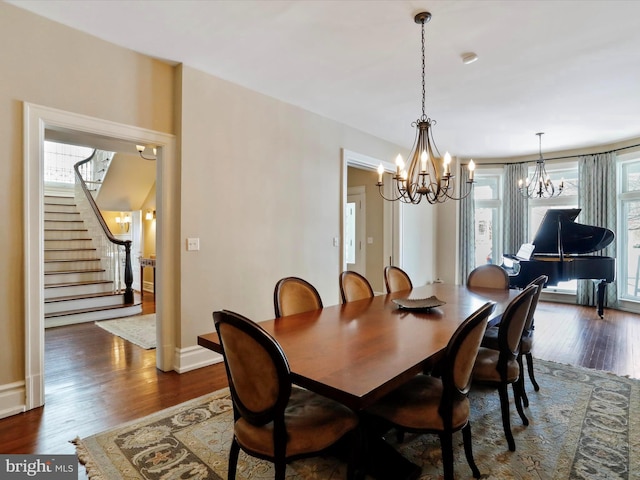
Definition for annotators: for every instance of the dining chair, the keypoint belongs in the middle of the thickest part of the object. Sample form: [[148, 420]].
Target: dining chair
[[354, 286], [500, 367], [396, 279], [490, 339], [440, 405], [273, 420], [488, 276], [294, 295]]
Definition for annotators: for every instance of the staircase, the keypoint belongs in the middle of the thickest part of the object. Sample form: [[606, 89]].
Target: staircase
[[76, 286]]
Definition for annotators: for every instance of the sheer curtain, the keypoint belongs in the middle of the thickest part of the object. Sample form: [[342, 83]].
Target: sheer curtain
[[467, 244], [597, 198], [515, 212]]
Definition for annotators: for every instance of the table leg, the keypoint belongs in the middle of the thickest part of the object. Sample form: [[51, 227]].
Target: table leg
[[383, 462]]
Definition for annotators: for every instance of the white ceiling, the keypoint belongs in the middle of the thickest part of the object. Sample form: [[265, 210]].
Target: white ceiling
[[568, 68]]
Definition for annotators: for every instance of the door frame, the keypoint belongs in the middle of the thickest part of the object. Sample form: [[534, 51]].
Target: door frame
[[37, 119], [392, 213]]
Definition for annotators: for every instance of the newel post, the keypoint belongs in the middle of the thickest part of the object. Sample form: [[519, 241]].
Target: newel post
[[128, 274]]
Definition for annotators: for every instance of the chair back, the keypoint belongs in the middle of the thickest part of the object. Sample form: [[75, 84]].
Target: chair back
[[488, 276], [462, 349], [257, 369], [294, 295], [354, 286], [512, 325], [540, 282], [396, 279]]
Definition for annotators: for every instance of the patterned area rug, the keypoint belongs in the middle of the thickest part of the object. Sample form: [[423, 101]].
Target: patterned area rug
[[139, 329], [584, 424]]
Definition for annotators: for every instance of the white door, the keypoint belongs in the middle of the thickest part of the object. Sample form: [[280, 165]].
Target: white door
[[355, 230]]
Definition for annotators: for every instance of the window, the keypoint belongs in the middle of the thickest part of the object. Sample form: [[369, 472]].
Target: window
[[59, 159], [488, 208], [629, 227], [568, 173]]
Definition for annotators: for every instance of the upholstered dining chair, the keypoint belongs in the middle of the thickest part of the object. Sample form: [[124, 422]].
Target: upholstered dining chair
[[396, 279], [500, 367], [273, 420], [428, 404], [354, 286], [488, 276], [490, 339], [294, 295]]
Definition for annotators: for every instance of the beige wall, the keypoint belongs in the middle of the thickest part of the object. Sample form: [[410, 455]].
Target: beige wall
[[261, 186], [48, 64], [149, 233]]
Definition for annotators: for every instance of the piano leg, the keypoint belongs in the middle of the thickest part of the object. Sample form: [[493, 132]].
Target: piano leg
[[602, 289]]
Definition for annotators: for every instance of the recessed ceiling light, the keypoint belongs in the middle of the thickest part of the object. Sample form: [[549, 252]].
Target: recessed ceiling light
[[469, 57]]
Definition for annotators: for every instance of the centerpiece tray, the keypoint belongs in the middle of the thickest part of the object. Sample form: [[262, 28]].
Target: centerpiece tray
[[418, 303]]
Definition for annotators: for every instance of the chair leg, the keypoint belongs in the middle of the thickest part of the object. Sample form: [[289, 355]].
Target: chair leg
[[446, 445], [468, 450], [525, 399], [517, 394], [536, 387], [281, 469], [506, 423], [233, 459]]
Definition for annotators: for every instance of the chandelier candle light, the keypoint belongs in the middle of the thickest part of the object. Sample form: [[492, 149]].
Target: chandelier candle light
[[424, 178], [539, 185]]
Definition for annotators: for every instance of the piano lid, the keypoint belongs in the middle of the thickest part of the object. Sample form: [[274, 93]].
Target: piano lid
[[576, 238]]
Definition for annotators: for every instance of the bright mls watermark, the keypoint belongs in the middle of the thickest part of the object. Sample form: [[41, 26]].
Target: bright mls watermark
[[45, 467]]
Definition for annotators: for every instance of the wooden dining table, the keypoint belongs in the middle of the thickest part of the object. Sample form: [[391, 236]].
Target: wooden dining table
[[357, 352]]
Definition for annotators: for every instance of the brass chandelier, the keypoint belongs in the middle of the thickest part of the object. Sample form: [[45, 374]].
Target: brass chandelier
[[424, 178], [539, 185]]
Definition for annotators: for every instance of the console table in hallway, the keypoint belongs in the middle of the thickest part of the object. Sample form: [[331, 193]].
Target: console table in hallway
[[147, 262]]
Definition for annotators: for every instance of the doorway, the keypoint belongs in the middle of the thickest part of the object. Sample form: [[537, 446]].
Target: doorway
[[380, 237], [355, 220], [39, 119]]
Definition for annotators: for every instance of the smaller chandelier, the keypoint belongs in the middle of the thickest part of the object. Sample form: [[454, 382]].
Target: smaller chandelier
[[424, 178], [539, 185]]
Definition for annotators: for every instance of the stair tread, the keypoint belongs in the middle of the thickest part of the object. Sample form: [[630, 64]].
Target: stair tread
[[77, 284], [89, 310], [68, 249], [66, 239], [67, 260], [69, 272], [81, 297]]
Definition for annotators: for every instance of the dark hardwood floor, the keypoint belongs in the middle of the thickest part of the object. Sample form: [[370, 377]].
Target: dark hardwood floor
[[95, 380]]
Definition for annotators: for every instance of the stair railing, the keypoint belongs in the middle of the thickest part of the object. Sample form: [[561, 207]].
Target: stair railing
[[116, 252]]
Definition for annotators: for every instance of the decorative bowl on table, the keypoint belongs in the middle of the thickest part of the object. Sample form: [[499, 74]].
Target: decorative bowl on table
[[418, 303]]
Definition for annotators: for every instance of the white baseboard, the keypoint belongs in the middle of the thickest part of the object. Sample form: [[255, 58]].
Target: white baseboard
[[190, 358], [12, 399]]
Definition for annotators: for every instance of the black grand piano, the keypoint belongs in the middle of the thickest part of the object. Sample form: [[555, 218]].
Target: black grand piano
[[560, 250]]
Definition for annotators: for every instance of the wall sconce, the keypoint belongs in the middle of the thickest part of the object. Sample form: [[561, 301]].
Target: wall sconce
[[124, 221], [142, 148], [150, 215]]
